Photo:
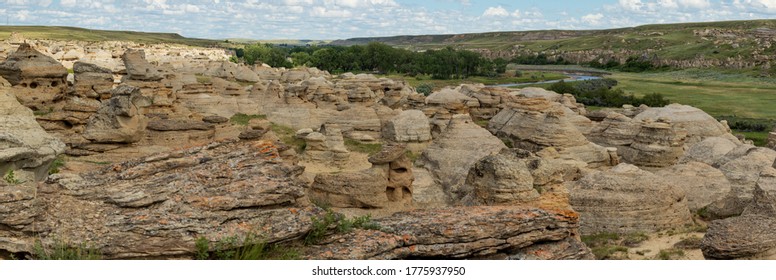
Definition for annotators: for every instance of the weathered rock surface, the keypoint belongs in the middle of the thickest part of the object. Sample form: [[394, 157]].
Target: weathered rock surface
[[157, 207], [751, 235], [658, 144], [138, 67], [38, 80], [710, 151], [92, 81], [743, 167], [456, 150], [118, 119], [502, 179], [697, 123], [408, 126], [25, 147], [701, 183], [627, 199], [463, 232], [535, 123], [387, 183]]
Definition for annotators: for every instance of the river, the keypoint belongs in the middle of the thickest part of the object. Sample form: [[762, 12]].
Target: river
[[571, 78]]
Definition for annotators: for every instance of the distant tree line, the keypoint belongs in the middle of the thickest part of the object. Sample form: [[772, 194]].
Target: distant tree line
[[602, 93], [447, 63]]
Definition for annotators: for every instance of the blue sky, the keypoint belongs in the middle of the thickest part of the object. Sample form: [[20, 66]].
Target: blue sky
[[339, 19]]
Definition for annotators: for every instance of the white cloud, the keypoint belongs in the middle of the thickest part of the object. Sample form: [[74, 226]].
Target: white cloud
[[701, 4], [754, 5], [495, 12], [329, 13], [67, 3], [631, 5], [593, 19]]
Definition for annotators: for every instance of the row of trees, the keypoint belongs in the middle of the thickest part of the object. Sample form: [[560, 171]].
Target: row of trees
[[602, 93], [447, 63]]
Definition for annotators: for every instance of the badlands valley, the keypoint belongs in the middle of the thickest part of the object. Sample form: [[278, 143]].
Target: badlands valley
[[123, 150]]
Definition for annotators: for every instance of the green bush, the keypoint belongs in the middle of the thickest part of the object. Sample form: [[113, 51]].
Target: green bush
[[10, 178], [243, 119], [425, 89], [58, 163], [251, 247]]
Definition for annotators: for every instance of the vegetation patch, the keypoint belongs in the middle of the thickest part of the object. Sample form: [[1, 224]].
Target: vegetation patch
[[670, 254], [287, 135], [58, 163], [692, 242], [607, 246], [366, 148], [10, 178], [61, 250], [243, 119], [339, 223], [251, 247]]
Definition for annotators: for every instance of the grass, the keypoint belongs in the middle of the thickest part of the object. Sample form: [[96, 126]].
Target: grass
[[336, 221], [691, 242], [366, 148], [717, 92], [670, 254], [58, 163], [249, 248], [759, 138], [612, 245], [243, 119], [287, 135], [61, 250]]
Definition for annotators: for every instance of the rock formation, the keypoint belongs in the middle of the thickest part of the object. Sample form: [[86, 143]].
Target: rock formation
[[408, 126], [658, 144], [158, 206], [495, 232], [452, 154], [25, 148], [38, 80], [626, 199], [388, 183], [697, 123], [118, 120], [535, 123], [751, 235], [326, 146], [701, 183]]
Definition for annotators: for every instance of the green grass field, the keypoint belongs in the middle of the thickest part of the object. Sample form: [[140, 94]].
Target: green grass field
[[719, 93]]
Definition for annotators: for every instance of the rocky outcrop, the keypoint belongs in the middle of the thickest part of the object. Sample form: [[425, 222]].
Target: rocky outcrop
[[38, 80], [326, 146], [408, 126], [25, 148], [701, 183], [710, 151], [92, 81], [502, 179], [771, 140], [118, 119], [697, 123], [743, 167], [535, 123], [658, 144], [158, 206], [749, 236], [388, 183], [452, 154], [463, 233], [138, 67], [231, 71], [627, 199]]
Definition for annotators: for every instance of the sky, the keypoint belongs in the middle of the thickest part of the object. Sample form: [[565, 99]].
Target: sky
[[342, 19]]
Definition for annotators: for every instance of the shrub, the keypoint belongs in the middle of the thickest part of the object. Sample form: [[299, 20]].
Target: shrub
[[58, 163], [425, 89], [10, 178], [252, 247], [243, 119]]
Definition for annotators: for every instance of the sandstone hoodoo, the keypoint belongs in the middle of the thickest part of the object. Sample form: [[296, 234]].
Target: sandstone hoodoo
[[38, 80]]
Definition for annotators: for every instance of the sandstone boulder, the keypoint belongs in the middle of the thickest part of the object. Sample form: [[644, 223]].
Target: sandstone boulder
[[455, 151], [709, 151], [701, 183], [25, 147], [627, 199], [502, 179], [138, 68], [38, 80], [408, 126], [658, 144], [92, 81], [697, 123], [118, 119]]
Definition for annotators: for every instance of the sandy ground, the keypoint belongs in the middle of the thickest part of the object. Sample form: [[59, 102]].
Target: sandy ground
[[649, 249]]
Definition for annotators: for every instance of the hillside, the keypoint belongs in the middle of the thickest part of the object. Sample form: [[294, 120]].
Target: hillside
[[82, 34], [731, 44]]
